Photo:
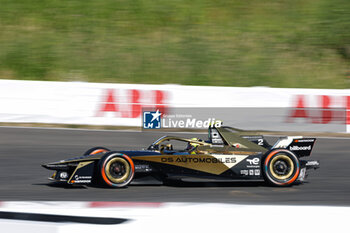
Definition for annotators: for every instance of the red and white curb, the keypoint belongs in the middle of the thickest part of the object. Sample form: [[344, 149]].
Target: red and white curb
[[175, 217]]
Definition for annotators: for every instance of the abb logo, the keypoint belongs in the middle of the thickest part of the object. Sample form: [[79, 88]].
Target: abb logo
[[129, 103], [322, 109]]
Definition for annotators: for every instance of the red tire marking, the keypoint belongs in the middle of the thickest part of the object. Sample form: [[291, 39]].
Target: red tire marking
[[130, 162], [296, 173], [104, 173], [98, 151]]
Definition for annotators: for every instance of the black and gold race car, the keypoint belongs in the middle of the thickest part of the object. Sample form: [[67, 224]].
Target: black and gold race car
[[226, 155]]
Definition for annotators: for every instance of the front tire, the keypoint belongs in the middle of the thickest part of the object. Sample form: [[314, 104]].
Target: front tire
[[281, 168], [116, 170]]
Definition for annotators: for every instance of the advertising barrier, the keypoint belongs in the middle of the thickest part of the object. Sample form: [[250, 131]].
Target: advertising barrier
[[261, 108]]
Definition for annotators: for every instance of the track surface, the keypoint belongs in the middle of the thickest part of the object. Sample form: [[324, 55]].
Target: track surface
[[22, 178]]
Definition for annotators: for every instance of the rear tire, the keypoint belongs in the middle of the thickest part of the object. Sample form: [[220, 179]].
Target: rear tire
[[96, 150], [281, 168], [116, 170]]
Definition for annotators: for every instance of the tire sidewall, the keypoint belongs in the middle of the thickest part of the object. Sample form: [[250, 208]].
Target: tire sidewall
[[102, 172], [267, 173]]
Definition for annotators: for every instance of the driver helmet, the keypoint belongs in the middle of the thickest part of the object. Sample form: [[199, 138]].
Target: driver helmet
[[192, 145], [169, 146]]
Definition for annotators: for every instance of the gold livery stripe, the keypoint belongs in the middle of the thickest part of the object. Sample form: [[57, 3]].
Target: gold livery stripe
[[214, 164], [80, 165]]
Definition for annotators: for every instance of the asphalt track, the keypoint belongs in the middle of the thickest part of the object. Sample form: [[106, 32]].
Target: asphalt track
[[22, 150]]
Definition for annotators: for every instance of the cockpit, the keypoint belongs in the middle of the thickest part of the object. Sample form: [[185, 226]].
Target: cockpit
[[172, 144]]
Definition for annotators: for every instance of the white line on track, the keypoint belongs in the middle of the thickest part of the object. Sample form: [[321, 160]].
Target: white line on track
[[182, 217]]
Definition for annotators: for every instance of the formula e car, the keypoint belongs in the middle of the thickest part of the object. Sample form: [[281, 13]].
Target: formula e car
[[226, 155]]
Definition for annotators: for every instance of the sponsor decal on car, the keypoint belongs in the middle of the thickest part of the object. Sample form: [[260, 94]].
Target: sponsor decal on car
[[250, 172], [215, 163], [312, 163], [253, 163], [81, 181], [63, 175], [76, 177], [244, 172], [305, 140], [296, 148], [199, 160], [257, 172], [142, 168]]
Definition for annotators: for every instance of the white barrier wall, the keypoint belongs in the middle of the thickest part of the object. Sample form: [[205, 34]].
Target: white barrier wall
[[173, 217], [121, 104]]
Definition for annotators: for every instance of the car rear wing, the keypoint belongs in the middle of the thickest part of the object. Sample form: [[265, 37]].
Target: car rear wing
[[298, 145]]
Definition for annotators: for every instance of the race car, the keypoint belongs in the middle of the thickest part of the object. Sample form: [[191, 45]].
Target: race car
[[226, 155]]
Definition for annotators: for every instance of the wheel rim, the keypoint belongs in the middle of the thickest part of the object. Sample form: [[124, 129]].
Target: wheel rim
[[117, 170], [281, 167]]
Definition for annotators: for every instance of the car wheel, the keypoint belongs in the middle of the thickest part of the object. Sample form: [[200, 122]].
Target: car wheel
[[281, 168], [116, 170], [96, 150]]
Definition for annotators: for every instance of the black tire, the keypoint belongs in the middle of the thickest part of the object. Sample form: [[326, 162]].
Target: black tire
[[116, 170], [96, 150], [281, 167]]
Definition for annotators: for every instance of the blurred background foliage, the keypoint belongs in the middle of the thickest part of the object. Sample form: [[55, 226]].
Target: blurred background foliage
[[277, 43]]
